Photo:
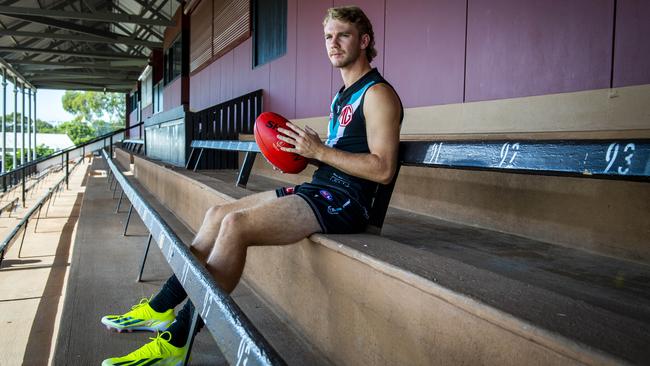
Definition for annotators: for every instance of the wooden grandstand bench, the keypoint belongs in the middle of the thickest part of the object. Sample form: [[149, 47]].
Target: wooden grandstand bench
[[10, 206], [605, 159], [473, 269]]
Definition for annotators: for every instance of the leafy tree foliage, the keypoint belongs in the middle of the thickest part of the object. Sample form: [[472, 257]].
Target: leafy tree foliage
[[78, 131], [41, 150], [92, 105]]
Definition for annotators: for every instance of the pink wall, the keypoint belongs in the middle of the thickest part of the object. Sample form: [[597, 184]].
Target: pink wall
[[446, 51], [632, 48], [171, 95], [147, 112], [133, 120], [425, 47], [281, 96], [527, 47]]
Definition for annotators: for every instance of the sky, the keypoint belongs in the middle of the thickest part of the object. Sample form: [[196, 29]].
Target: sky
[[48, 104]]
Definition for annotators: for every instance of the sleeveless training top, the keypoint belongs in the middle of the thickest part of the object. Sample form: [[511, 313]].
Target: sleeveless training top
[[347, 132]]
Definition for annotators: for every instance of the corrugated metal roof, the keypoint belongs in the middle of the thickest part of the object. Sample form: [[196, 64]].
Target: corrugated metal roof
[[85, 45]]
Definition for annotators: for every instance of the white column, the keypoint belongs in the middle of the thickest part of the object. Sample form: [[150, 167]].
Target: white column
[[34, 152], [15, 122], [28, 157], [22, 128], [4, 120]]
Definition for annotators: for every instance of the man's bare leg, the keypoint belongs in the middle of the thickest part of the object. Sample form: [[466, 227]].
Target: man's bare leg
[[205, 238], [283, 221]]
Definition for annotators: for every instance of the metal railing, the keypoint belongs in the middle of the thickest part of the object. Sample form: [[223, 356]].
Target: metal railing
[[238, 339], [65, 155], [22, 225], [225, 121]]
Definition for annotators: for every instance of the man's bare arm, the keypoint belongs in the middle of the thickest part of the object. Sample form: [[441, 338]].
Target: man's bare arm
[[382, 111]]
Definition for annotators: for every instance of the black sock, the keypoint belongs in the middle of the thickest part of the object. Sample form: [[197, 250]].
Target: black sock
[[180, 328], [171, 294]]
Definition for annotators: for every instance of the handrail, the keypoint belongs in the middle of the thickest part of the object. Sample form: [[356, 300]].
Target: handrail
[[69, 149], [8, 240], [64, 154], [238, 339]]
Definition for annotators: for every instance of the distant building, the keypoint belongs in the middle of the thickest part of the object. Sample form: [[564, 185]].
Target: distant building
[[56, 141]]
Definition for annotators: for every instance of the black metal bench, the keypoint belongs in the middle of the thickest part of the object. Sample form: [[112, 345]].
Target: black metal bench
[[134, 146], [250, 147]]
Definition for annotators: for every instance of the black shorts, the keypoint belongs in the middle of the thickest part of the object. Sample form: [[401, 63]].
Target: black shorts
[[336, 212]]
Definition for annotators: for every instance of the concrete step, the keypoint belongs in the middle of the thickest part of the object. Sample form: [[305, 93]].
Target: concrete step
[[435, 292], [102, 281]]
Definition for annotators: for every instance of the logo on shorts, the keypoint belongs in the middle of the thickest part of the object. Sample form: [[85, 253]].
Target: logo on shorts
[[335, 210], [346, 115], [326, 195]]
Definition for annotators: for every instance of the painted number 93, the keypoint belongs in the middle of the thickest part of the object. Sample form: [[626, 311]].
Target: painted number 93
[[612, 154]]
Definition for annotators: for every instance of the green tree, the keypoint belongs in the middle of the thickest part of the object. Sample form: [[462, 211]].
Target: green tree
[[78, 131], [41, 150], [41, 126], [92, 105]]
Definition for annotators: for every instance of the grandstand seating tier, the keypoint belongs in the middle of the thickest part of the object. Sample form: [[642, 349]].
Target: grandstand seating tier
[[365, 298]]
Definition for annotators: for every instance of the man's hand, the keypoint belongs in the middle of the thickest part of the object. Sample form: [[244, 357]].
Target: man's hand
[[306, 142]]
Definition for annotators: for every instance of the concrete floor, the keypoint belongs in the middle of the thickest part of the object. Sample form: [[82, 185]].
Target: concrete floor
[[33, 275], [103, 269]]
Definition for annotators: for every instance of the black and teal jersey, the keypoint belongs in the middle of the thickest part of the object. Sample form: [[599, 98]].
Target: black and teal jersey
[[347, 132]]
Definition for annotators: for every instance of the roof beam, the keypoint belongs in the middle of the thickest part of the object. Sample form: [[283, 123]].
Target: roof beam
[[81, 79], [67, 26], [98, 17], [153, 10], [90, 65], [120, 56], [113, 87], [16, 74], [80, 37], [39, 74]]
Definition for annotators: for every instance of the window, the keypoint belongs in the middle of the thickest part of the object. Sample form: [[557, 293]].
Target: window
[[158, 97], [269, 30], [133, 99], [173, 60], [147, 87]]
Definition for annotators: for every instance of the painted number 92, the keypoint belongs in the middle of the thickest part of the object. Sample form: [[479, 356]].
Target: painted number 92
[[612, 154], [505, 154]]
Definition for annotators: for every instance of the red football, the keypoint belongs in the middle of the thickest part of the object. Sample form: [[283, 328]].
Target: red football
[[266, 136]]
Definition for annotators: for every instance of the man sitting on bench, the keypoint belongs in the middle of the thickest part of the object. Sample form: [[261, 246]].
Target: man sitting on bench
[[360, 152]]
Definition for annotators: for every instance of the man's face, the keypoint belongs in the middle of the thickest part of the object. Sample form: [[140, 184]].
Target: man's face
[[343, 43]]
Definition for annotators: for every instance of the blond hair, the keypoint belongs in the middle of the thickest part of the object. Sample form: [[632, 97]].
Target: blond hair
[[354, 15]]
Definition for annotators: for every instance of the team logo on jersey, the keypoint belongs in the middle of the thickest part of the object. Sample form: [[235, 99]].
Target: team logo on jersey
[[346, 115], [326, 195]]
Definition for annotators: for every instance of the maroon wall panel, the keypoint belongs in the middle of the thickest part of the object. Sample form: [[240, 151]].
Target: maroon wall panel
[[248, 79], [133, 118], [519, 48], [172, 95], [281, 96], [375, 10], [227, 76], [425, 46], [632, 45], [200, 90], [313, 69], [147, 112]]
